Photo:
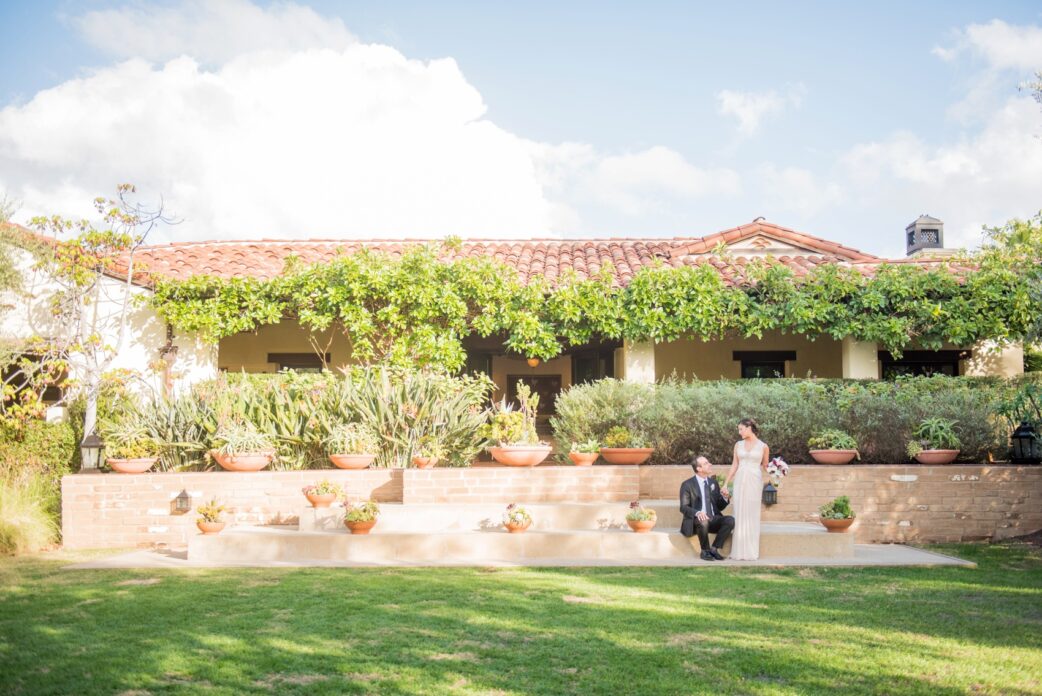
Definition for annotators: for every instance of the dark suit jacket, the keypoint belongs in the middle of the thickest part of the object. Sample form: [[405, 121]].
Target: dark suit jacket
[[691, 502]]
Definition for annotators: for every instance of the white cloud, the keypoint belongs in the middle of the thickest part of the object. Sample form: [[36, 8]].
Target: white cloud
[[324, 137], [751, 108], [1000, 45], [982, 179], [797, 190], [211, 31]]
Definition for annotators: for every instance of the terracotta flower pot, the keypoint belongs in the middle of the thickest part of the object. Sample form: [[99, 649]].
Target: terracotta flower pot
[[131, 466], [937, 456], [837, 525], [833, 456], [424, 462], [320, 500], [641, 526], [517, 528], [249, 461], [360, 527], [626, 455], [583, 458], [352, 461], [209, 527], [523, 455]]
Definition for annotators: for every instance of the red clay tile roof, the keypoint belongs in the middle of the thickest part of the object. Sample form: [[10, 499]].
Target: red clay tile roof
[[265, 258]]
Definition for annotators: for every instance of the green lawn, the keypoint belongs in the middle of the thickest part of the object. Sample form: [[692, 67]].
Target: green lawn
[[515, 631]]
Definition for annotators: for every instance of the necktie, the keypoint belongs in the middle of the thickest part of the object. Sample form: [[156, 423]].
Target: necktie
[[708, 499]]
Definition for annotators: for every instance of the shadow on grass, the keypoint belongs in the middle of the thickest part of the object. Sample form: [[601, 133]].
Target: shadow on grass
[[588, 631]]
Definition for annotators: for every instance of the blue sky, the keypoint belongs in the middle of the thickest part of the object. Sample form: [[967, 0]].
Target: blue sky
[[577, 119]]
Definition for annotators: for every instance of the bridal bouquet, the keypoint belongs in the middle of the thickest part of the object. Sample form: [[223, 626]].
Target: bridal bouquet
[[777, 469]]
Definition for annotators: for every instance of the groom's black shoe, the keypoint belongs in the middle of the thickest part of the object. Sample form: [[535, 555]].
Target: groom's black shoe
[[715, 553], [707, 556]]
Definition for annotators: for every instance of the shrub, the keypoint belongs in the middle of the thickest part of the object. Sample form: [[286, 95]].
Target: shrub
[[620, 436], [586, 447], [128, 438], [242, 438], [27, 520], [681, 418], [509, 426], [211, 511], [933, 433]]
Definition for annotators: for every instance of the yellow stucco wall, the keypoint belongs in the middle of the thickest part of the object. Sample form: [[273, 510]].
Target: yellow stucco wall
[[712, 359], [249, 351]]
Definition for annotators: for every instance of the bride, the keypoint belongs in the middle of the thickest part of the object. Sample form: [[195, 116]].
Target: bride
[[750, 459]]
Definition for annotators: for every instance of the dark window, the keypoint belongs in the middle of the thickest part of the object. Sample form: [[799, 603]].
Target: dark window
[[12, 374], [591, 365], [300, 362], [763, 364], [478, 363], [922, 363], [546, 386]]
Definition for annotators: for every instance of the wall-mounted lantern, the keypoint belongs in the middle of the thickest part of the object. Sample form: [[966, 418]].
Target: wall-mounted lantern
[[1025, 444], [182, 503]]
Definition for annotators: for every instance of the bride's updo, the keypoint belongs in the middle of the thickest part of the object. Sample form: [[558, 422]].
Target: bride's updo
[[750, 423]]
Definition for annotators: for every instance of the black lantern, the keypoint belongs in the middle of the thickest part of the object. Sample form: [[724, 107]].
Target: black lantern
[[1025, 444], [770, 494], [182, 503], [90, 452]]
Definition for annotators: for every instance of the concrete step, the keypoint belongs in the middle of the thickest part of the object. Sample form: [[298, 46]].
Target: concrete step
[[436, 517], [492, 545]]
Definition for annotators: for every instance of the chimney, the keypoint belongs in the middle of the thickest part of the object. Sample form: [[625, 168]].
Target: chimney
[[924, 236]]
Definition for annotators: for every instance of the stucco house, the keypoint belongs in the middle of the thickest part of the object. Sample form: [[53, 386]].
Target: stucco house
[[285, 345]]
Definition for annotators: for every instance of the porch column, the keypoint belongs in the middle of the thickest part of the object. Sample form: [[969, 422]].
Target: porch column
[[989, 360], [860, 359], [638, 361]]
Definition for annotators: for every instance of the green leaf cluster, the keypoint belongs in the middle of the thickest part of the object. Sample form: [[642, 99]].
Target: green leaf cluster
[[417, 308]]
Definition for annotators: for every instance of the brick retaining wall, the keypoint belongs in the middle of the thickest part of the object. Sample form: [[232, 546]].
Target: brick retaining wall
[[894, 503], [898, 503]]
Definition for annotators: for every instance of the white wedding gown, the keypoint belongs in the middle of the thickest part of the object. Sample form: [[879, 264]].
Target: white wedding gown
[[748, 492]]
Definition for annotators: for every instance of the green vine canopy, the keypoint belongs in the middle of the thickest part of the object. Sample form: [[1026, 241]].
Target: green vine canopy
[[418, 308]]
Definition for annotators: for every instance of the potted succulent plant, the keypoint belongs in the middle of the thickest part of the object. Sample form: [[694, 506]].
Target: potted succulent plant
[[516, 519], [513, 431], [934, 442], [129, 446], [241, 447], [352, 445], [837, 515], [832, 446], [361, 517], [624, 446], [322, 494], [641, 519], [584, 453], [210, 521], [429, 449]]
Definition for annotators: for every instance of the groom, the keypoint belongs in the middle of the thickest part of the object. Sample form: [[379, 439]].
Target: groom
[[701, 501]]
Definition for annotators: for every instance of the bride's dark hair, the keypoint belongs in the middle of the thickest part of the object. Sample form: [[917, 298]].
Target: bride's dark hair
[[750, 423]]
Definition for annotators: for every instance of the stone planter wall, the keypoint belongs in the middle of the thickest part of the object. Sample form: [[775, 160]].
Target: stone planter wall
[[894, 503]]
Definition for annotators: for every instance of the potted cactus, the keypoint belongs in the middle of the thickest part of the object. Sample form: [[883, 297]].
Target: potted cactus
[[322, 494], [641, 519], [624, 446], [837, 515], [130, 448], [584, 453], [832, 446], [241, 447], [210, 521], [934, 442], [352, 445], [513, 431], [429, 449], [361, 517], [516, 519]]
